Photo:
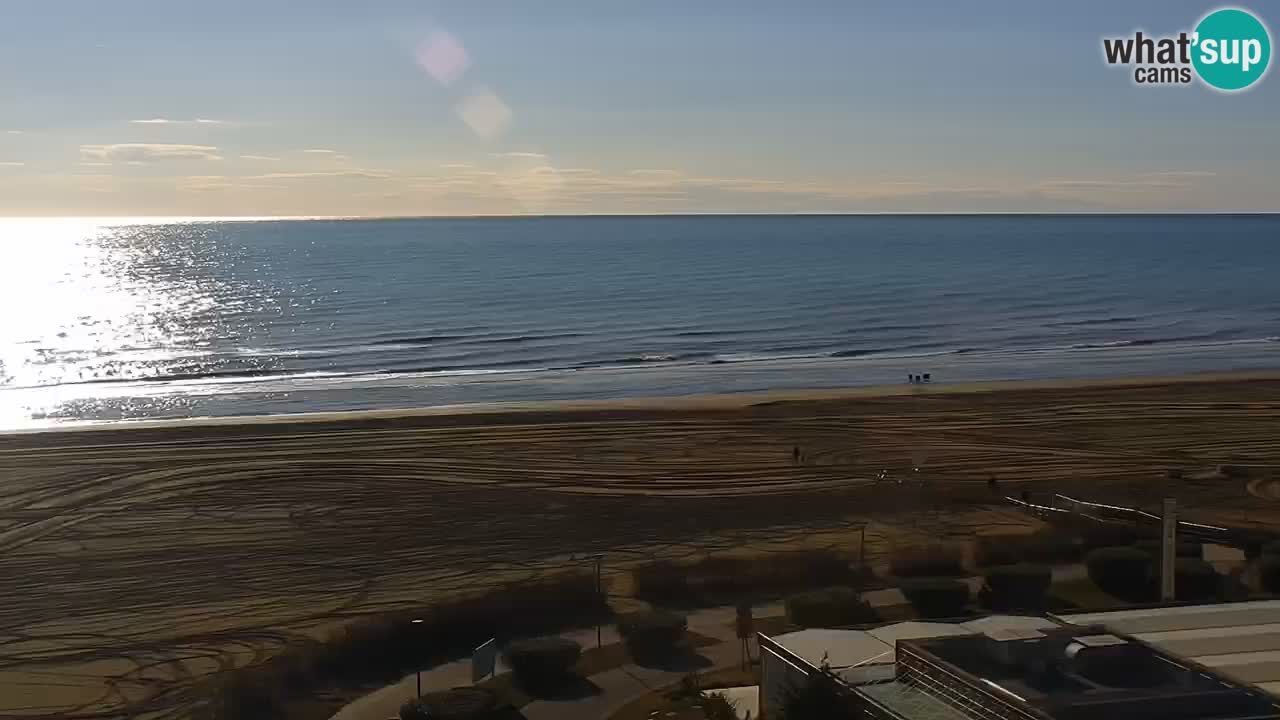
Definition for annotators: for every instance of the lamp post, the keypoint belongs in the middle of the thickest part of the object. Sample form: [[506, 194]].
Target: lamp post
[[598, 559], [418, 621]]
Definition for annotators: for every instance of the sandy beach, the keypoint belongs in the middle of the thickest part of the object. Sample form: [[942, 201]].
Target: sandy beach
[[140, 558]]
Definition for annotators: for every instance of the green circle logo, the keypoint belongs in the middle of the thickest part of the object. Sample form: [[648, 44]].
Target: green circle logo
[[1232, 49]]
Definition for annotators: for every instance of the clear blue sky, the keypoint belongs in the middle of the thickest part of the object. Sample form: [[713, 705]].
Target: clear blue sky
[[588, 106]]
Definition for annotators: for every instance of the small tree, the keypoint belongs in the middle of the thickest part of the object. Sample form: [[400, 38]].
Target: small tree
[[830, 607], [542, 662], [1269, 573], [1195, 580], [1017, 587], [655, 633], [936, 597], [1122, 571], [816, 699]]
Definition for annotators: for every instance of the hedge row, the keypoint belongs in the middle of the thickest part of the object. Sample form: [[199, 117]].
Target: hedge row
[[932, 560], [726, 576], [831, 607], [542, 662], [388, 646], [937, 597], [1017, 587], [656, 633]]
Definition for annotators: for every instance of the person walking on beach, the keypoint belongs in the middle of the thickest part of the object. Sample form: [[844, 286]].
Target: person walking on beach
[[795, 454]]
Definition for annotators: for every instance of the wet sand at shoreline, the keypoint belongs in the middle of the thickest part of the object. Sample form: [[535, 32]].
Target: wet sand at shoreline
[[138, 558]]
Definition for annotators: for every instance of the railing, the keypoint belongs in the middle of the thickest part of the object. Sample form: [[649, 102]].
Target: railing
[[1064, 507]]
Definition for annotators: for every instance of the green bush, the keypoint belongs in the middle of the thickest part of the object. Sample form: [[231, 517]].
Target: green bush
[[541, 662], [385, 647], [1052, 546], [1269, 573], [937, 597], [926, 561], [1195, 580], [1182, 549], [1124, 572], [994, 550], [1096, 535], [831, 607], [467, 703], [1017, 587], [718, 577], [715, 706], [653, 633]]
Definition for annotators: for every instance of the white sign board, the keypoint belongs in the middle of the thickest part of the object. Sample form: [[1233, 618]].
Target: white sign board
[[483, 660]]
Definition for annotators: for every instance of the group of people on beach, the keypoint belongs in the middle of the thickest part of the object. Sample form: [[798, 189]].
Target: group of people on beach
[[917, 379]]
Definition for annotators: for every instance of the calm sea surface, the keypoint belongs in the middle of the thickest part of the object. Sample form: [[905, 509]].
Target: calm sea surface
[[103, 322]]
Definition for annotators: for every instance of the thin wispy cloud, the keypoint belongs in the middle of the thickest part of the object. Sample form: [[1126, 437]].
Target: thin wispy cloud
[[147, 152], [171, 121], [260, 158], [520, 155], [13, 132], [12, 164], [345, 174], [320, 151]]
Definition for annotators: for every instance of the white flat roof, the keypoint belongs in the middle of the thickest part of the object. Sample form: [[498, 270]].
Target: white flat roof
[[842, 648], [915, 629], [1239, 640], [847, 648]]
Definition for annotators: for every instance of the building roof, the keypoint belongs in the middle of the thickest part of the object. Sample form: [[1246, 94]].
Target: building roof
[[849, 648], [841, 648], [1239, 640]]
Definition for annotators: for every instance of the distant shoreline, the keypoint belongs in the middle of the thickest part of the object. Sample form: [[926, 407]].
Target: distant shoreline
[[178, 219], [674, 404]]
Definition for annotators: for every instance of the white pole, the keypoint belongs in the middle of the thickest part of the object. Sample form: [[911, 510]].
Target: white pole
[[1168, 547]]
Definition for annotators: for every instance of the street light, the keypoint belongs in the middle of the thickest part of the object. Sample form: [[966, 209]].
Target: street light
[[597, 558], [418, 621]]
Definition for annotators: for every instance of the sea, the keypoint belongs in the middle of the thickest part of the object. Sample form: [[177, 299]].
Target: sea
[[117, 319]]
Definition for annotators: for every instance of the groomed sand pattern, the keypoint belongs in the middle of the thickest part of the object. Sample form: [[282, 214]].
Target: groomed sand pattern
[[135, 562]]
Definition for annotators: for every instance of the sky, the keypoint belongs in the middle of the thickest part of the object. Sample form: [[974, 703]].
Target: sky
[[482, 107]]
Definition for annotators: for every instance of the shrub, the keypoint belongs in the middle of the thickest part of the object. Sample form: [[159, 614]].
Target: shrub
[[1269, 573], [541, 662], [718, 577], [1052, 546], [1124, 572], [467, 703], [385, 647], [926, 561], [816, 698], [991, 550], [938, 597], [653, 633], [1096, 535], [1182, 549], [831, 607], [1017, 587], [1271, 547], [1195, 580], [716, 706]]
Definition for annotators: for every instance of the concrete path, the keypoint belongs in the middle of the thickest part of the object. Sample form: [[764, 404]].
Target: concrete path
[[618, 686]]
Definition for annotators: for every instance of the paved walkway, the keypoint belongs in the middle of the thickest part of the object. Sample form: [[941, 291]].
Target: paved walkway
[[618, 686]]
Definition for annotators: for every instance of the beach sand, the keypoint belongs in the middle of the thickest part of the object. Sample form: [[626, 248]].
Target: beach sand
[[137, 559]]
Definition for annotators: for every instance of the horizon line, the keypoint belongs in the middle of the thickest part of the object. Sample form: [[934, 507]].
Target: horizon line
[[125, 219]]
